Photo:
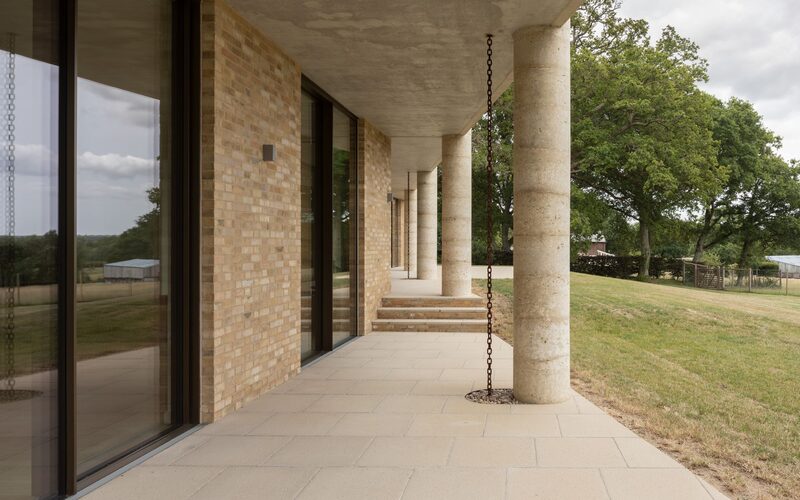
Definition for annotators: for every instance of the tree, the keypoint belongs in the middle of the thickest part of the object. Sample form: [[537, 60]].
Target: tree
[[642, 138], [142, 240], [743, 142], [767, 211], [503, 180]]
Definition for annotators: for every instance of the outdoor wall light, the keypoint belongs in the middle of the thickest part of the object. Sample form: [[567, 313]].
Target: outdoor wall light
[[389, 197], [268, 152]]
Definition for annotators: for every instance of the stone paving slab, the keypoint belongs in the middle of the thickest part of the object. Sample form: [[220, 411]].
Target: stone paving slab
[[385, 417]]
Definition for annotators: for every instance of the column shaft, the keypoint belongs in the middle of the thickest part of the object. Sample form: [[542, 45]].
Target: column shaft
[[457, 215], [541, 213], [426, 225], [411, 232]]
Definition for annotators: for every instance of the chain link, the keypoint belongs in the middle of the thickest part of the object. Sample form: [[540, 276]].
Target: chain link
[[489, 210], [10, 154]]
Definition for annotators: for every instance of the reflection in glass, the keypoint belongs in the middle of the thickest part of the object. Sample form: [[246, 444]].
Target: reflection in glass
[[343, 229], [123, 199], [310, 338], [28, 246]]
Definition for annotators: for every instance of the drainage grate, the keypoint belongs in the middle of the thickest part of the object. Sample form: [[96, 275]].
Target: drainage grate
[[493, 397]]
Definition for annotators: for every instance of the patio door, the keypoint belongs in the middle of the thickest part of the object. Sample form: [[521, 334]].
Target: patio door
[[329, 287], [98, 281]]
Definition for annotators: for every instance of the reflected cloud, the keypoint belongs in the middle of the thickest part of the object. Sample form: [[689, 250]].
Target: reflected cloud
[[124, 106], [115, 166]]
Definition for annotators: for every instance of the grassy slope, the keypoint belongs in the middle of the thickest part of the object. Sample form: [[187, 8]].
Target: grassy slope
[[710, 376], [104, 327]]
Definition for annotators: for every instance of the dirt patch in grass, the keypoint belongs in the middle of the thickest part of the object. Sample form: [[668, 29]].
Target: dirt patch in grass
[[709, 378]]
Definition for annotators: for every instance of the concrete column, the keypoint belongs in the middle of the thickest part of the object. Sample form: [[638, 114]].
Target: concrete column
[[398, 225], [411, 232], [426, 224], [541, 213], [457, 215]]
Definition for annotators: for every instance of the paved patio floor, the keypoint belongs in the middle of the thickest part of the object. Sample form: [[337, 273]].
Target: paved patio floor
[[385, 417]]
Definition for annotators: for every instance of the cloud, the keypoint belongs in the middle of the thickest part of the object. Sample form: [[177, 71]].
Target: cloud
[[35, 160], [115, 166], [129, 107], [753, 49]]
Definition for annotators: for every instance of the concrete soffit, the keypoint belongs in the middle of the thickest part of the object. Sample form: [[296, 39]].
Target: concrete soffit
[[414, 69]]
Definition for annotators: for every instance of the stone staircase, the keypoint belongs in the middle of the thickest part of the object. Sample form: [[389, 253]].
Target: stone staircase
[[431, 314], [340, 315]]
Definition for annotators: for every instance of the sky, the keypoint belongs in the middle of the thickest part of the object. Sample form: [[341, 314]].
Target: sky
[[118, 149], [752, 46]]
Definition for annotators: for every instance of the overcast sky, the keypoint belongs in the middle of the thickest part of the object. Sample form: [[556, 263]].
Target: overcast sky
[[118, 136], [753, 47]]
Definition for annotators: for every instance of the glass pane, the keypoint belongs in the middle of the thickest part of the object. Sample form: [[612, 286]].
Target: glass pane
[[310, 341], [124, 235], [343, 229], [28, 246]]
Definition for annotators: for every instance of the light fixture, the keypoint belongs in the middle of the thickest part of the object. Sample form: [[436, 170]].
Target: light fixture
[[268, 152]]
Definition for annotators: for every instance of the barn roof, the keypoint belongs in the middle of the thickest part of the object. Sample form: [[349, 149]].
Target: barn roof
[[792, 260], [135, 263]]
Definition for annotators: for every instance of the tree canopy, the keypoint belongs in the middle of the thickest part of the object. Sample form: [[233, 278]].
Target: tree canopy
[[659, 167]]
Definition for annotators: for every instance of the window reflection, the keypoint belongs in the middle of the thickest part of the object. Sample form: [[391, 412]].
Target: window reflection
[[310, 338], [28, 245], [343, 229], [124, 235]]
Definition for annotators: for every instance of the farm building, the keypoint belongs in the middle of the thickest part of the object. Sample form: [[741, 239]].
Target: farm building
[[134, 269], [597, 247], [789, 265]]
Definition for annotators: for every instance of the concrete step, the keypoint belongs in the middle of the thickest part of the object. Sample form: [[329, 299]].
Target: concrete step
[[433, 301], [428, 325], [432, 313]]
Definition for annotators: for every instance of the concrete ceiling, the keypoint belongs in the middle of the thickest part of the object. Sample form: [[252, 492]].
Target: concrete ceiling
[[416, 69], [124, 45]]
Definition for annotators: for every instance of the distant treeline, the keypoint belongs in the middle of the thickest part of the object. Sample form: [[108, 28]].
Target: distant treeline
[[32, 259]]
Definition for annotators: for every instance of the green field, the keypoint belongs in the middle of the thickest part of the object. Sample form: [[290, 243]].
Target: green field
[[711, 377], [104, 326]]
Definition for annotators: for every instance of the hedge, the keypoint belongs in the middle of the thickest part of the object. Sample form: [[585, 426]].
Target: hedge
[[614, 267]]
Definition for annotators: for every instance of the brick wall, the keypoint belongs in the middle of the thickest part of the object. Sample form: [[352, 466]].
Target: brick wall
[[250, 213], [375, 239]]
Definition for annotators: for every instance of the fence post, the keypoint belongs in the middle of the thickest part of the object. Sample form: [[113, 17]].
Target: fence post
[[683, 271], [695, 275], [19, 292], [749, 279], [722, 272]]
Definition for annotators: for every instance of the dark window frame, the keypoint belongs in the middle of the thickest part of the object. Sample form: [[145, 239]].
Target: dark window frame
[[324, 183], [185, 299]]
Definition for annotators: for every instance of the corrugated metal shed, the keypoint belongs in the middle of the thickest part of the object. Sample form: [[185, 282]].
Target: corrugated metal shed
[[786, 263], [134, 269]]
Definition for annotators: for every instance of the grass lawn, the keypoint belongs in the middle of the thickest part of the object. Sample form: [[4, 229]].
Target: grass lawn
[[104, 327], [711, 377]]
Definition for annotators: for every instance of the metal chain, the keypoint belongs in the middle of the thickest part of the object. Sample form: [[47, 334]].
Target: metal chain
[[10, 212], [489, 210]]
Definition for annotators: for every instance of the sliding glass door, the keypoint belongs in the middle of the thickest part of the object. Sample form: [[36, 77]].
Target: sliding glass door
[[29, 265], [343, 227], [124, 234], [310, 233], [328, 224], [97, 237]]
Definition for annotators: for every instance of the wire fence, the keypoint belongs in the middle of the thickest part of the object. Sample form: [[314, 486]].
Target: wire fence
[[740, 279]]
